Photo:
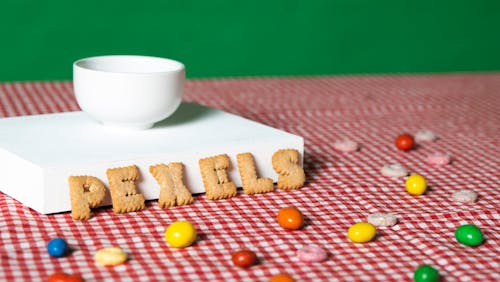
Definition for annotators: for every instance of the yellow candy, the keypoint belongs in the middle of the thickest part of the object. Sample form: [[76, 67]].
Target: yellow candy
[[180, 234], [361, 232], [416, 184]]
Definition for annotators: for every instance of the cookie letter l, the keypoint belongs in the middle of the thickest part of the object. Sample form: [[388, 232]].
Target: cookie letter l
[[248, 173]]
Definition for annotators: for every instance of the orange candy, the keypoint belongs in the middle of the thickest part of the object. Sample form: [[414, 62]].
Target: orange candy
[[282, 277], [290, 218], [63, 277]]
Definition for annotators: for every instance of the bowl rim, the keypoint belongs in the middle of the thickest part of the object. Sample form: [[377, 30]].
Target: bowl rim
[[173, 65]]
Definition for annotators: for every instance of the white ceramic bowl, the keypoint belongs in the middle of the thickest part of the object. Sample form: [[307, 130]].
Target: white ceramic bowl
[[128, 91]]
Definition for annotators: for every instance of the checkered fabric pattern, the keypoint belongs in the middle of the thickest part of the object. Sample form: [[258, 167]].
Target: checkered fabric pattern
[[342, 188]]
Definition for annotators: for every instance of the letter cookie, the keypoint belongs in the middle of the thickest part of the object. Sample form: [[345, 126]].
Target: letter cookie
[[290, 174], [250, 182], [173, 192], [86, 192], [122, 187], [215, 179]]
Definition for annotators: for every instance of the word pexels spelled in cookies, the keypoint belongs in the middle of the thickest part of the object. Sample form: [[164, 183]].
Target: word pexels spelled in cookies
[[88, 192]]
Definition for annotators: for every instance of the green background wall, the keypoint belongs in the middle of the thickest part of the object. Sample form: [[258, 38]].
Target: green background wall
[[39, 40]]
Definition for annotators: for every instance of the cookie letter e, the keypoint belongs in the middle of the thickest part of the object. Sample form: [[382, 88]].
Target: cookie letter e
[[215, 179], [122, 187]]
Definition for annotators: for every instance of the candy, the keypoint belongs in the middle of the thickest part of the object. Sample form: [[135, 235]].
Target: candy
[[382, 220], [290, 218], [63, 277], [244, 258], [346, 146], [426, 273], [282, 277], [180, 234], [416, 184], [57, 247], [425, 135], [465, 196], [394, 170], [469, 235], [110, 256], [404, 142], [438, 159], [361, 232], [312, 253]]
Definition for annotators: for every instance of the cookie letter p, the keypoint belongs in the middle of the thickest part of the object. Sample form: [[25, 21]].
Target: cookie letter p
[[122, 187], [290, 174], [86, 192], [215, 180]]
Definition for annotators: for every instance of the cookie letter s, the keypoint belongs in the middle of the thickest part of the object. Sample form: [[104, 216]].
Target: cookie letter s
[[290, 174]]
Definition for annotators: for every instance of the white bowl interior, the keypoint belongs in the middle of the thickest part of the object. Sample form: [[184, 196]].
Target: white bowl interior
[[130, 64]]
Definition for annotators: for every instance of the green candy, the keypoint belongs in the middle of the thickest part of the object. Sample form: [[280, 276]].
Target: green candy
[[426, 273], [469, 235]]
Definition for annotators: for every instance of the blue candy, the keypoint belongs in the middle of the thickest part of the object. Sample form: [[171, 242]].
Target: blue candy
[[57, 247]]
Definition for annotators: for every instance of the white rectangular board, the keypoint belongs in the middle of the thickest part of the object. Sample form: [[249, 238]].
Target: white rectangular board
[[38, 153]]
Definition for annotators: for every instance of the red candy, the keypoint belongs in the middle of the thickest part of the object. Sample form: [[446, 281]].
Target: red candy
[[244, 258], [63, 277], [405, 142]]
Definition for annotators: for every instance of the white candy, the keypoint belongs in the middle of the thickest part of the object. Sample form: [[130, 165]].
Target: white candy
[[425, 135], [379, 220], [465, 196], [346, 146], [394, 170]]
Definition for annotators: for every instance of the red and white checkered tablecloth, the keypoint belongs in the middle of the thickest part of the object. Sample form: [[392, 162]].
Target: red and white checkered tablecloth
[[342, 188]]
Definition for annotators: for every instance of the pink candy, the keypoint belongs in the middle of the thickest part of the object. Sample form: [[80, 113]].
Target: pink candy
[[346, 146], [438, 159], [312, 253]]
